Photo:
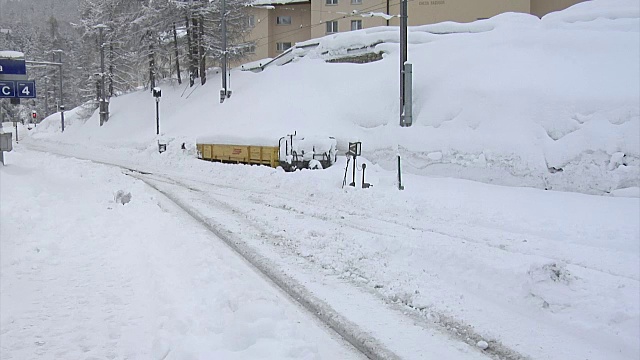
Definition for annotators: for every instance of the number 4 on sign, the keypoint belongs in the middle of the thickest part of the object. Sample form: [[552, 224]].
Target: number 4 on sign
[[26, 89]]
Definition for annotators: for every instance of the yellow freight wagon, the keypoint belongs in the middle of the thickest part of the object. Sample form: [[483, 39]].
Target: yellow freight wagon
[[292, 152], [240, 154]]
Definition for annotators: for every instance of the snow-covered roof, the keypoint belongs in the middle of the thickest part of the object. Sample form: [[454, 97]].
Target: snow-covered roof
[[8, 54], [278, 2]]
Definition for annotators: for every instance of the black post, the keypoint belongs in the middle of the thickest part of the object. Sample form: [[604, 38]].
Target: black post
[[400, 187], [157, 116], [353, 182], [224, 48], [403, 55], [387, 12], [61, 102], [46, 96]]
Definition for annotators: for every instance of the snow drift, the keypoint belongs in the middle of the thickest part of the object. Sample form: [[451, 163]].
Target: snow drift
[[516, 100]]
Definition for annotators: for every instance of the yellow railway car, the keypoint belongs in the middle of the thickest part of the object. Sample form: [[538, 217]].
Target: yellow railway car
[[292, 152], [240, 154]]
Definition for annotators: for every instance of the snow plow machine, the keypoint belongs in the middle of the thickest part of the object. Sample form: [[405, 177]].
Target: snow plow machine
[[292, 152]]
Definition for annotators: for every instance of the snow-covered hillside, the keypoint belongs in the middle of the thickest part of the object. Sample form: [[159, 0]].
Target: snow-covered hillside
[[550, 103]]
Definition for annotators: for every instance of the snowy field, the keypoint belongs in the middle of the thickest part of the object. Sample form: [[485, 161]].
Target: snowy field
[[84, 277], [454, 260]]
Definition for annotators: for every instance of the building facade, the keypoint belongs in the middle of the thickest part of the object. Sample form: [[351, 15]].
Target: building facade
[[277, 27], [279, 24]]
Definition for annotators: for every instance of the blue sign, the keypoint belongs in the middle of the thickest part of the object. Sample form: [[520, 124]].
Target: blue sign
[[18, 89], [13, 67], [26, 89], [7, 89]]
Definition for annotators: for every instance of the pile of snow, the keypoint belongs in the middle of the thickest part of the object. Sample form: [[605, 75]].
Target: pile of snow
[[515, 100]]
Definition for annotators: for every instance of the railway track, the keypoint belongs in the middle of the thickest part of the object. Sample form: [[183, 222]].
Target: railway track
[[349, 331], [232, 201], [301, 206]]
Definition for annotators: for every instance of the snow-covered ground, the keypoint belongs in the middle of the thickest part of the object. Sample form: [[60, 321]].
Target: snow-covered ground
[[537, 274], [84, 276]]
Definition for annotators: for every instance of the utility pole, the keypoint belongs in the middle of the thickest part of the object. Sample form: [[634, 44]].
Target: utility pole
[[61, 102], [59, 65], [104, 105], [225, 92], [405, 70], [46, 96]]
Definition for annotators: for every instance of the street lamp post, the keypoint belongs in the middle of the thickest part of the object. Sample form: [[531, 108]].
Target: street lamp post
[[406, 70], [61, 102], [224, 92], [46, 96]]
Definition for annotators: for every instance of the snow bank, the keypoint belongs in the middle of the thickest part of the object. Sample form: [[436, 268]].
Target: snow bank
[[512, 100]]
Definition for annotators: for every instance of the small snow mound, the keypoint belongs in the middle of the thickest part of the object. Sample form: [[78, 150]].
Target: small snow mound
[[435, 156], [482, 345], [617, 159], [122, 197], [552, 271]]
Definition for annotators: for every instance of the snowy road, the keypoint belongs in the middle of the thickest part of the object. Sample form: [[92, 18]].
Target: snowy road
[[541, 275]]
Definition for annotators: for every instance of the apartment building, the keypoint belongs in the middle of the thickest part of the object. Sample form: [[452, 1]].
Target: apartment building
[[279, 24]]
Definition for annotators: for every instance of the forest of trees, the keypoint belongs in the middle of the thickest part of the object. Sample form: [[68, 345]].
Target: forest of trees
[[144, 41]]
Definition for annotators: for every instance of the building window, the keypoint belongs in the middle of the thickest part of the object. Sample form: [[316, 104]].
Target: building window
[[251, 21], [283, 20], [356, 25], [282, 46], [356, 2], [331, 2], [332, 27], [251, 49]]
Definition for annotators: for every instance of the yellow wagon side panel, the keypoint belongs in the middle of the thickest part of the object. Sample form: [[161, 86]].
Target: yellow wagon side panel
[[236, 153], [217, 152], [258, 155], [274, 157]]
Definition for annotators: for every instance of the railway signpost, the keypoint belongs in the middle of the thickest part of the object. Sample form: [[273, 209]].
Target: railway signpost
[[355, 150], [17, 89], [7, 89], [14, 84], [157, 93]]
